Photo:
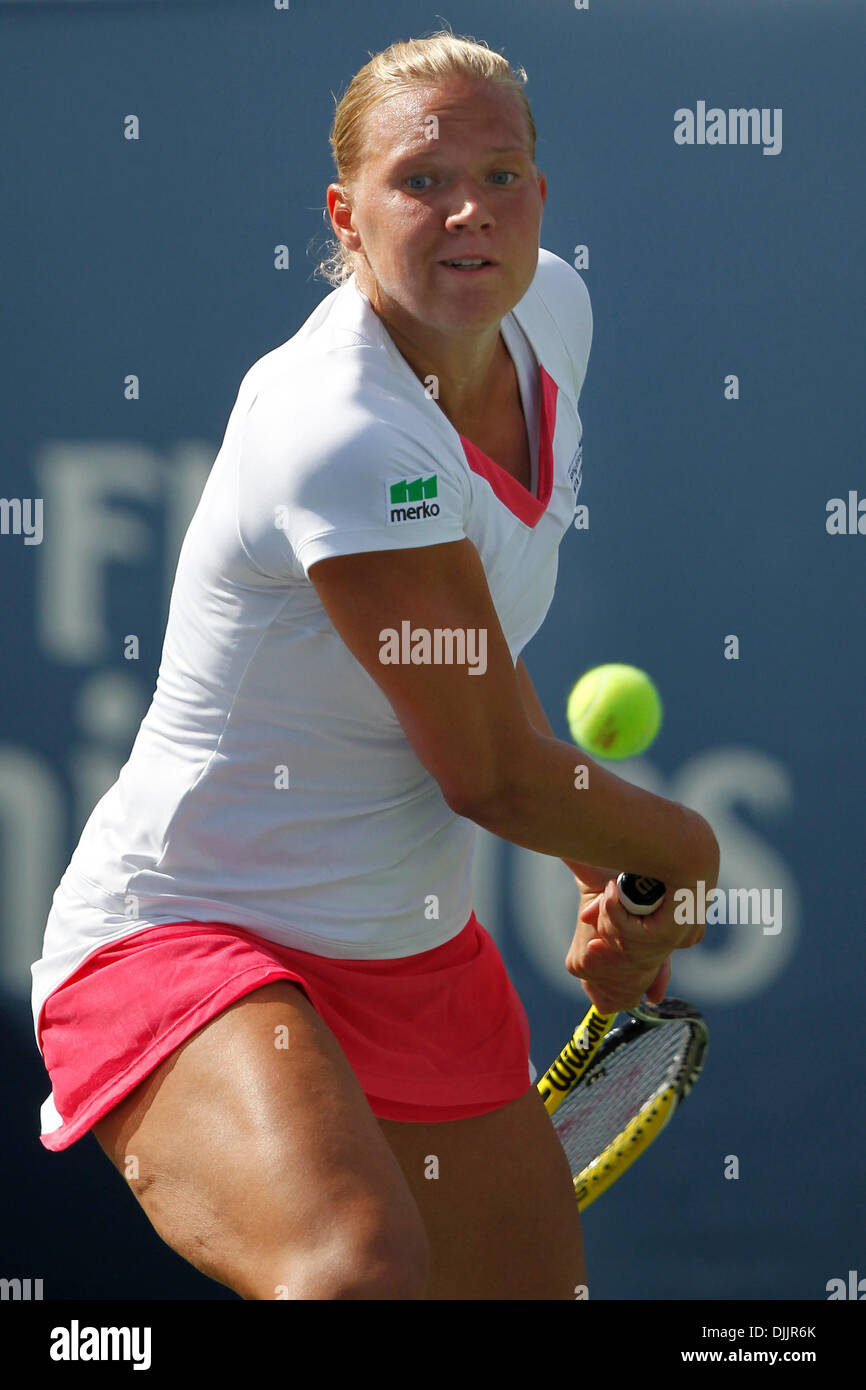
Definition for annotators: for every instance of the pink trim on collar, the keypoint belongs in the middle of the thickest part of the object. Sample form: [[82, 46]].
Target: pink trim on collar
[[513, 494]]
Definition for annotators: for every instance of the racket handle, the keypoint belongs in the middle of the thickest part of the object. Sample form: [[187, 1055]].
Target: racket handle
[[639, 895]]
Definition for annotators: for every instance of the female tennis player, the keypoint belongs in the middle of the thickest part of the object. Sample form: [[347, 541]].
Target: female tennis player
[[263, 986]]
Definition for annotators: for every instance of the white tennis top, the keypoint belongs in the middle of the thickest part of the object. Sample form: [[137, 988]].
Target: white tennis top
[[270, 784]]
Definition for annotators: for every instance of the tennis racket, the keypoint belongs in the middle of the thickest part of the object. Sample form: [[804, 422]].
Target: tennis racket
[[611, 1091]]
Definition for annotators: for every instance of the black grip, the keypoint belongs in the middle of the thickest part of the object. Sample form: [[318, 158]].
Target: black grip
[[639, 895]]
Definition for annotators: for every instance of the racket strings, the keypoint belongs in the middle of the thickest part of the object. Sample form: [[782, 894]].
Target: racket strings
[[595, 1113]]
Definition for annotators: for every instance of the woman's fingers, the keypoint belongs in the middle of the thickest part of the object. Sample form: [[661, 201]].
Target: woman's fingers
[[657, 990]]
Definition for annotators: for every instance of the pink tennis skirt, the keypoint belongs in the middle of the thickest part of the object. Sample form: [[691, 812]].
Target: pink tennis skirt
[[441, 1035]]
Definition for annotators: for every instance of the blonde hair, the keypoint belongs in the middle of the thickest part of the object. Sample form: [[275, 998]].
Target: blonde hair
[[415, 62]]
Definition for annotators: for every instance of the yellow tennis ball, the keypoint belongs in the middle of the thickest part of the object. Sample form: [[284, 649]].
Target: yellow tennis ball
[[614, 711]]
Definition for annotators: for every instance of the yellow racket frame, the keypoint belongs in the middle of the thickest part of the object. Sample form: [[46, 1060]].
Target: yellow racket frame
[[565, 1074]]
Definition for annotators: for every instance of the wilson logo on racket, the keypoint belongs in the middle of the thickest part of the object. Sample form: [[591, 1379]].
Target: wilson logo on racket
[[567, 1068]]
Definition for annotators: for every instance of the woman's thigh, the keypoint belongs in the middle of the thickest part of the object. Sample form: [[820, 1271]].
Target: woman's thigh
[[255, 1155], [496, 1195]]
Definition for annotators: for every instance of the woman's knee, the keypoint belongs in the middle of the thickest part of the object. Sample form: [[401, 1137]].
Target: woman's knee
[[367, 1255]]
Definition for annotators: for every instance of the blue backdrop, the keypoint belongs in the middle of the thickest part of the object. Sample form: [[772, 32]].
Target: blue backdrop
[[723, 413]]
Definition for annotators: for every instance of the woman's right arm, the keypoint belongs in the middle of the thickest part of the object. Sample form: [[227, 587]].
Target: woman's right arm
[[472, 732]]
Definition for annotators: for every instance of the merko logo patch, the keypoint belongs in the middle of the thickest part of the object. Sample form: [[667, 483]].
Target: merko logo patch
[[411, 499]]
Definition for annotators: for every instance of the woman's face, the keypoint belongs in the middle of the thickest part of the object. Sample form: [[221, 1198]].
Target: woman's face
[[460, 185]]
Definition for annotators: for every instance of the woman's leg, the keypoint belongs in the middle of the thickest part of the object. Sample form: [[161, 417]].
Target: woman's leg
[[500, 1213], [263, 1165]]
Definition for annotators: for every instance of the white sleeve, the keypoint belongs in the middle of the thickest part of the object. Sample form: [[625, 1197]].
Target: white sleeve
[[310, 487], [566, 297]]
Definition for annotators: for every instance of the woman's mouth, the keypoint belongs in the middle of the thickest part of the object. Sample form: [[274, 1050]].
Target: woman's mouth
[[465, 265]]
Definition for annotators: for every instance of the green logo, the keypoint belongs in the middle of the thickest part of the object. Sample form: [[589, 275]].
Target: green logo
[[418, 490], [412, 499]]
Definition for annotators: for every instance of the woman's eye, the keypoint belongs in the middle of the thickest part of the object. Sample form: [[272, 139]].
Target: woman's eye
[[413, 180]]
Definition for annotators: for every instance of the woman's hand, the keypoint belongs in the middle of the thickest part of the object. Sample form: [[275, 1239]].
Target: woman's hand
[[619, 957]]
